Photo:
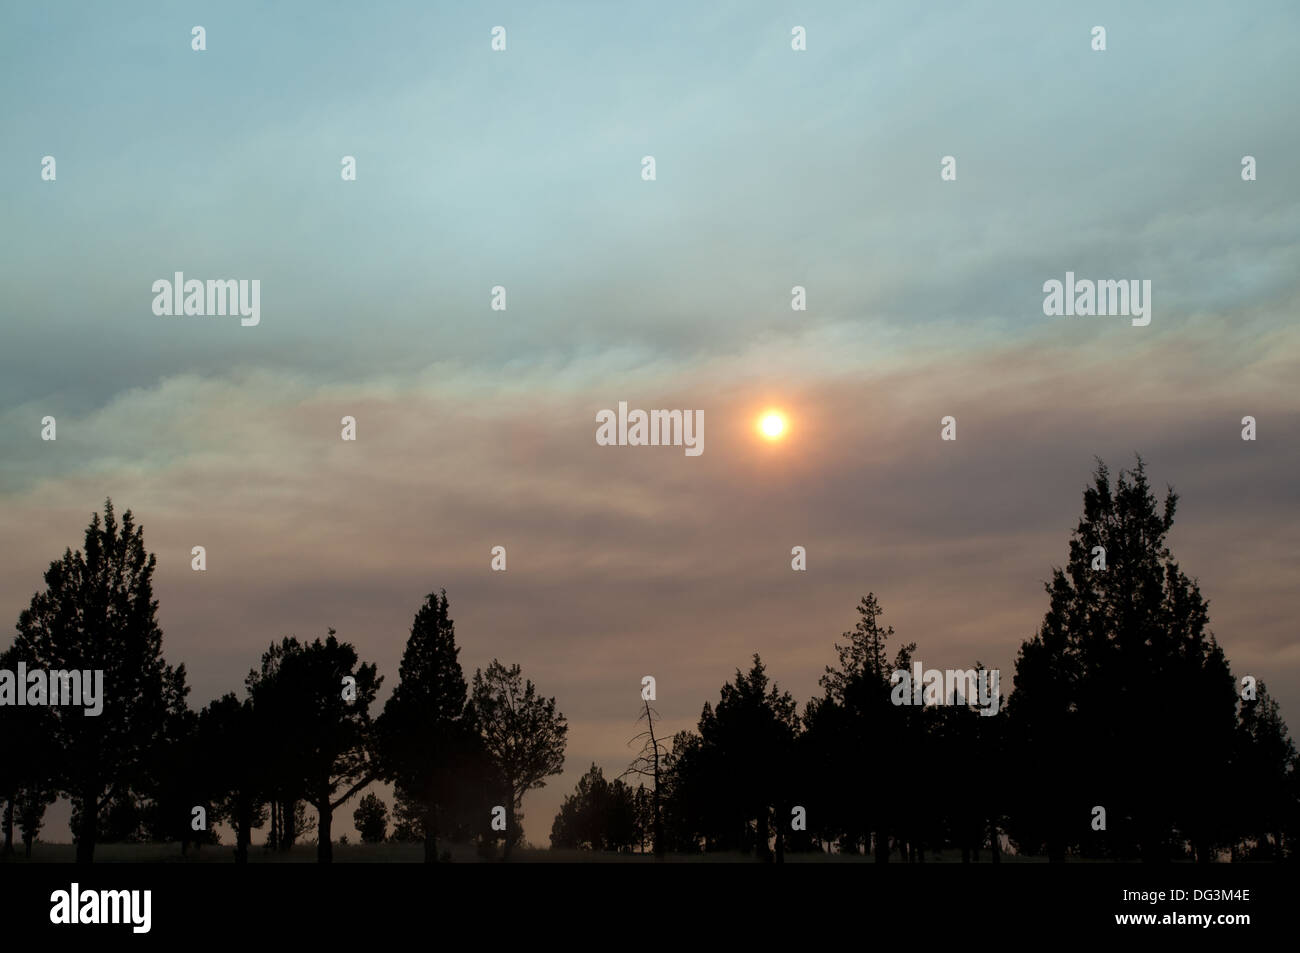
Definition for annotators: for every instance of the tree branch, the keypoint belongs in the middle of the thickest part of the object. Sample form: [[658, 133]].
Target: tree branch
[[354, 789]]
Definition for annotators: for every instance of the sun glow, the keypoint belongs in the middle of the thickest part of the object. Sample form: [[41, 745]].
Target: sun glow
[[772, 425]]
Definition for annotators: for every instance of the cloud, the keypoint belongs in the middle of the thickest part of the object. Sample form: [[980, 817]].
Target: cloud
[[631, 561], [476, 427]]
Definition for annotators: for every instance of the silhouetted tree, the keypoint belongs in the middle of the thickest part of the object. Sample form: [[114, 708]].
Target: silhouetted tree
[[960, 788], [692, 812], [523, 733], [32, 802], [177, 783], [10, 780], [280, 757], [727, 782], [323, 739], [294, 822], [649, 818], [429, 744], [649, 764], [121, 821], [751, 734], [1123, 696], [236, 779], [288, 817], [98, 613], [371, 819], [1265, 764], [580, 822], [621, 830], [10, 799], [408, 823], [859, 737], [26, 761], [599, 815]]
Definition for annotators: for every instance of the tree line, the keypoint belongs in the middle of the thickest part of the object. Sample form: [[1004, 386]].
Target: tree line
[[1123, 701], [1126, 734], [150, 767]]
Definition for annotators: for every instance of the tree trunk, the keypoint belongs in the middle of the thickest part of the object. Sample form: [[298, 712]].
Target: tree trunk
[[658, 828], [9, 823], [243, 832], [431, 836], [764, 851], [288, 824], [510, 828], [88, 827], [324, 846], [657, 834]]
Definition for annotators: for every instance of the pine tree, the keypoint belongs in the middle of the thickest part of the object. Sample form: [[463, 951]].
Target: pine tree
[[523, 733], [323, 740]]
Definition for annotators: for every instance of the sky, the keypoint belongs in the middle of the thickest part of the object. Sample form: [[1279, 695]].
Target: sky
[[476, 428]]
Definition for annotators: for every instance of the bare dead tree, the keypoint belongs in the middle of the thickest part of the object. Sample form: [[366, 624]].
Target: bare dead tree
[[646, 765]]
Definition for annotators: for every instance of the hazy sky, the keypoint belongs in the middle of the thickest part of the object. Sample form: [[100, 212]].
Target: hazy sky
[[476, 427]]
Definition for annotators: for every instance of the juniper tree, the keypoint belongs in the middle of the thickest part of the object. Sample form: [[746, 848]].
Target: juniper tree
[[727, 780], [1266, 764], [97, 612], [857, 732], [428, 741], [1123, 695]]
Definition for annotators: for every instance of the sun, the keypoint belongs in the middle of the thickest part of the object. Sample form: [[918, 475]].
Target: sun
[[772, 425]]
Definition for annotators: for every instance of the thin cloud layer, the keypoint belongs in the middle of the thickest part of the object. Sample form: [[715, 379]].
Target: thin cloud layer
[[624, 562]]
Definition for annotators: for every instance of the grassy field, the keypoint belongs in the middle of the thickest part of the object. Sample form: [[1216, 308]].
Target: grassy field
[[390, 853]]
